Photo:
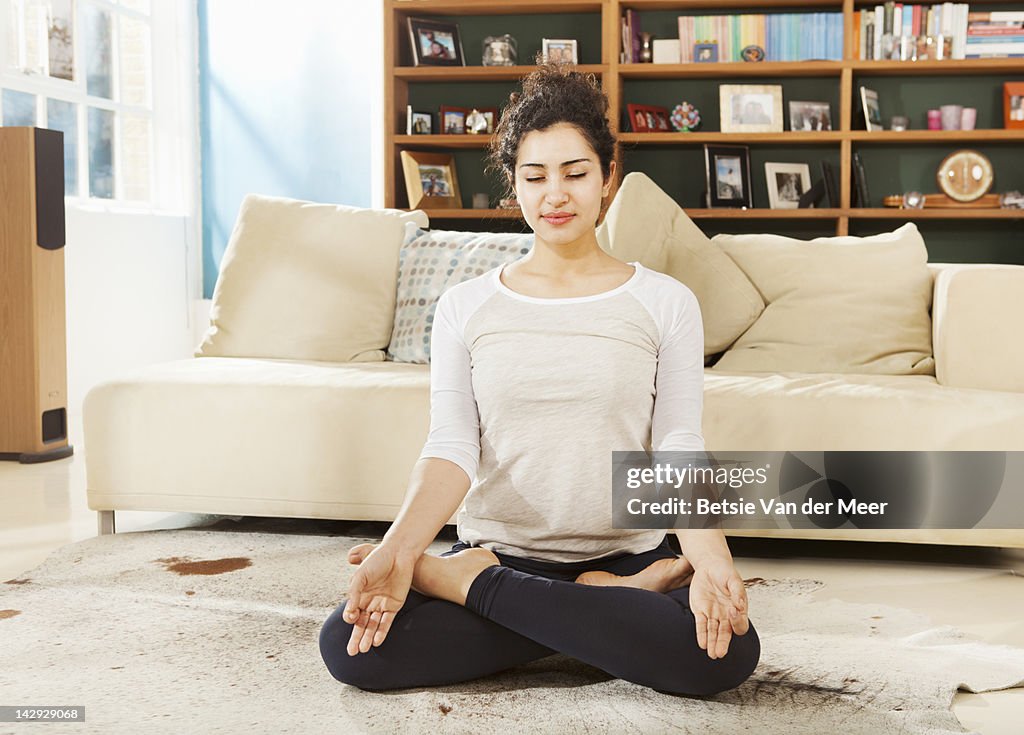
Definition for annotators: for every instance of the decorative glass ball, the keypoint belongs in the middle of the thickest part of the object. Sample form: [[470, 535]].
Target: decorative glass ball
[[685, 117]]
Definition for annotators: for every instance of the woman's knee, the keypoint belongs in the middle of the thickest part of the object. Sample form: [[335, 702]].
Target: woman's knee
[[707, 676], [362, 670]]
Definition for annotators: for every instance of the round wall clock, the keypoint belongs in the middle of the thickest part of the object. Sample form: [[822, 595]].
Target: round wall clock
[[965, 175]]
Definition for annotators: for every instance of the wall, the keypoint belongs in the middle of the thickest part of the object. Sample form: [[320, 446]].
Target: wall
[[290, 105]]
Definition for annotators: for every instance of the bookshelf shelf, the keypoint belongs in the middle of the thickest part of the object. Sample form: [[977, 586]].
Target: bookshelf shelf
[[475, 73], [724, 69]]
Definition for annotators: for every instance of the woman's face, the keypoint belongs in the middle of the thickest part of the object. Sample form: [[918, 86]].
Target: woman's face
[[558, 171]]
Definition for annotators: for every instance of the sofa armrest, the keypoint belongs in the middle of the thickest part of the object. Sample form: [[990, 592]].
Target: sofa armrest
[[978, 326]]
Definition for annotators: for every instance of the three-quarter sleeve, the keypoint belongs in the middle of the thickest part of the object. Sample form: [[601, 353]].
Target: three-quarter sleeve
[[454, 418], [679, 381]]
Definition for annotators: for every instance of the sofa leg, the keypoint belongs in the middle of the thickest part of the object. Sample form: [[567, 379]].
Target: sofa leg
[[105, 523]]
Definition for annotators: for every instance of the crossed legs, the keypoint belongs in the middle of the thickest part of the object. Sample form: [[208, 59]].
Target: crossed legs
[[506, 617]]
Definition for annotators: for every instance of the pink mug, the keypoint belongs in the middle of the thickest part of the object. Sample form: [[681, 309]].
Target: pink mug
[[934, 120], [968, 117]]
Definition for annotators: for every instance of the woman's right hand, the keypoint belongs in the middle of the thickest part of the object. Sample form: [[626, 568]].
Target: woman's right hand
[[376, 593]]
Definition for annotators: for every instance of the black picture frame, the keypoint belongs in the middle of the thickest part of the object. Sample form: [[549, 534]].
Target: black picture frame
[[722, 191], [860, 183], [828, 175], [445, 35]]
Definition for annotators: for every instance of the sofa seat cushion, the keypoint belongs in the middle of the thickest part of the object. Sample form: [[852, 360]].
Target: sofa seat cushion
[[759, 411], [257, 436]]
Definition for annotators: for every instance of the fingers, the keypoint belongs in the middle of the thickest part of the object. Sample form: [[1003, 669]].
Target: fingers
[[712, 628], [355, 590], [702, 628], [740, 622], [724, 636]]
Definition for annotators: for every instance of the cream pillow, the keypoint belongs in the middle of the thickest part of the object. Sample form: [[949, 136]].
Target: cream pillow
[[836, 304], [307, 281], [644, 223]]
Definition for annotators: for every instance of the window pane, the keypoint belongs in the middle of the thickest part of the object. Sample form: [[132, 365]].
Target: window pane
[[29, 30], [134, 59], [99, 71], [101, 153], [140, 5], [63, 116], [19, 108], [62, 49], [135, 157]]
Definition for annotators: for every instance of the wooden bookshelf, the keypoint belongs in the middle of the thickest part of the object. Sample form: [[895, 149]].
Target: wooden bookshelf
[[613, 76]]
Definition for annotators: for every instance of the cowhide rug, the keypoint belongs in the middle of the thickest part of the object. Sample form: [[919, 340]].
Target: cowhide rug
[[216, 631]]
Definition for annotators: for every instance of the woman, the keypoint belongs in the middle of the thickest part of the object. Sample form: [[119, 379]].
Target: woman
[[539, 370]]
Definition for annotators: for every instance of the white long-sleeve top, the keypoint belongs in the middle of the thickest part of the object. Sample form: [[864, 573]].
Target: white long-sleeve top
[[530, 396]]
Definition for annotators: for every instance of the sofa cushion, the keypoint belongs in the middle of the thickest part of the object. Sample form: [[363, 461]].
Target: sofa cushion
[[307, 281], [836, 304], [230, 435], [430, 263], [645, 224]]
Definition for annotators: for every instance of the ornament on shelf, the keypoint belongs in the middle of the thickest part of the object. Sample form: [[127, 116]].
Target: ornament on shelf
[[685, 117], [752, 53]]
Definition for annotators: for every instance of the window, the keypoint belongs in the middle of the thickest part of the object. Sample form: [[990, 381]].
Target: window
[[85, 67]]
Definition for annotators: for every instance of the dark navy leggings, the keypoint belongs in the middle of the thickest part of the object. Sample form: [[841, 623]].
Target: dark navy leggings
[[527, 609]]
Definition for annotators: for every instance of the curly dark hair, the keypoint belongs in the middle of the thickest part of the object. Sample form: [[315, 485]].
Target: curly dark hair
[[553, 93]]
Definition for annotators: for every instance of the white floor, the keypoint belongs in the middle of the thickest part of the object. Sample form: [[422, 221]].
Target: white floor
[[979, 590]]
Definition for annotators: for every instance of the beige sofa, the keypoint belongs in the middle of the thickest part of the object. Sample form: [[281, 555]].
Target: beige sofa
[[290, 409]]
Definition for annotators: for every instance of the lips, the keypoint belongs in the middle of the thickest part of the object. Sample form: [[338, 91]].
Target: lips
[[558, 219]]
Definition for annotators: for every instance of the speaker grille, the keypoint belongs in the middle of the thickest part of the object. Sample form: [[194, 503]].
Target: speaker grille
[[49, 188]]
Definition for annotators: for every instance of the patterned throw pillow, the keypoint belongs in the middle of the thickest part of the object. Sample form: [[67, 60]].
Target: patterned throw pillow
[[432, 261]]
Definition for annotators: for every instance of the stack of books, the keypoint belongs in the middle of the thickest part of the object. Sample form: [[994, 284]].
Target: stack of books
[[996, 33], [896, 21]]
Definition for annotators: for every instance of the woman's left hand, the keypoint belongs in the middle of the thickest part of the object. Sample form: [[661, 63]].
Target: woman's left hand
[[718, 600]]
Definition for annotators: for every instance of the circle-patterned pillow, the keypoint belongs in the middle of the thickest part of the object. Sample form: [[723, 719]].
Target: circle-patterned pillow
[[432, 261]]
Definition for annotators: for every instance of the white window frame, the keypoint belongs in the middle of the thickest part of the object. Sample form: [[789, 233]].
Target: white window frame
[[172, 111]]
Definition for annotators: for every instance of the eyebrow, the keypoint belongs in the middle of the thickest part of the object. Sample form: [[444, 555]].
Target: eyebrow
[[566, 163]]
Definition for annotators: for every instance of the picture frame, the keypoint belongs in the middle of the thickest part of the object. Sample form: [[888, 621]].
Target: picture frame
[[727, 174], [809, 115], [560, 50], [430, 180], [750, 108], [418, 123], [453, 120], [649, 118], [705, 53], [871, 109], [1013, 105], [787, 182], [861, 199], [435, 43], [828, 175]]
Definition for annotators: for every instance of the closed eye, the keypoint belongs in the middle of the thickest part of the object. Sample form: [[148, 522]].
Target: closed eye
[[570, 176]]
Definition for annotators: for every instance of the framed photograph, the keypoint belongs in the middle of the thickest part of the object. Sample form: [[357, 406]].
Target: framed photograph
[[872, 112], [727, 173], [828, 175], [809, 115], [1013, 105], [705, 53], [430, 180], [562, 50], [860, 183], [649, 119], [435, 43], [787, 182], [453, 120], [750, 108], [418, 123]]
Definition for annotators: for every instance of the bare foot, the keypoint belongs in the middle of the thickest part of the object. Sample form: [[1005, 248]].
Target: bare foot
[[663, 575], [449, 577], [357, 553]]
